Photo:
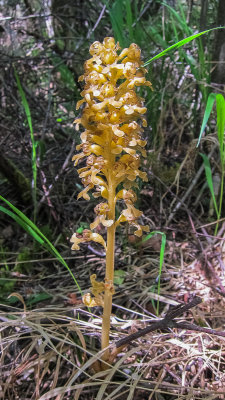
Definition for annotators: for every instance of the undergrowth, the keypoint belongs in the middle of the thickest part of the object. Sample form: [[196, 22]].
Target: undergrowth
[[49, 341]]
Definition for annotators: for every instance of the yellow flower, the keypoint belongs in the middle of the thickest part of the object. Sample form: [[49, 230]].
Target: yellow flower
[[128, 196], [97, 289], [112, 117], [90, 301], [101, 210], [86, 236]]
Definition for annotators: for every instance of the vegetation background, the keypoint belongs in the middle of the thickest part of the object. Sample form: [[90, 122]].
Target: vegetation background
[[43, 48]]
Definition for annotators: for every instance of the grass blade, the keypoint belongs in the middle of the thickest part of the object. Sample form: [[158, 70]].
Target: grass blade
[[179, 44], [208, 109], [35, 232], [208, 173], [129, 19], [20, 222], [116, 16], [220, 109], [34, 144], [180, 18], [161, 258]]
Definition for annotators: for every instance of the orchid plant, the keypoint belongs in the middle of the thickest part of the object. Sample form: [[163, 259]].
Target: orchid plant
[[113, 117]]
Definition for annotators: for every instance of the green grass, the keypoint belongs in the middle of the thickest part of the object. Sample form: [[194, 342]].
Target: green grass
[[177, 45], [220, 113], [32, 229], [33, 141], [161, 259]]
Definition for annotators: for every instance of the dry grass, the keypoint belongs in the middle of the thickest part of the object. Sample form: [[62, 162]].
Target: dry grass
[[49, 352]]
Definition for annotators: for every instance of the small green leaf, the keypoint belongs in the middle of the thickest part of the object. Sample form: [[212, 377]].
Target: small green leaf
[[83, 225], [36, 298], [119, 276]]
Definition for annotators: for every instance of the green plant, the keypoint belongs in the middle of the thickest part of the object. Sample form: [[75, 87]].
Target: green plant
[[183, 59], [220, 112], [179, 44], [82, 226], [180, 25], [23, 264], [33, 141], [35, 232], [161, 259]]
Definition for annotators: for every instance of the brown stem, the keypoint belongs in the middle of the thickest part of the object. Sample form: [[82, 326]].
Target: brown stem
[[109, 275], [109, 289]]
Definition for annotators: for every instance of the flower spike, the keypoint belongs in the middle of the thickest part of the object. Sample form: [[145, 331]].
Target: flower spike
[[113, 120]]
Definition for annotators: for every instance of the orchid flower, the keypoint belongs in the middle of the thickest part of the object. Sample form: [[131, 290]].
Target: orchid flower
[[112, 117]]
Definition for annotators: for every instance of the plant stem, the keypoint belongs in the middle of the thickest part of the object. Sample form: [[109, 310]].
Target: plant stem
[[108, 291], [109, 274]]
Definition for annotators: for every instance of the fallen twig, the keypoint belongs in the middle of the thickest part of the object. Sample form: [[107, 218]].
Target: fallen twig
[[168, 322]]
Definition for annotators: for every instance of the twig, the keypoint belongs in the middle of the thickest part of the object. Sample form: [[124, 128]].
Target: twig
[[25, 17], [193, 327], [96, 252], [168, 322], [97, 22]]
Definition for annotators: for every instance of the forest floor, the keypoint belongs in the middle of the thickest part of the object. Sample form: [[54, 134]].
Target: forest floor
[[50, 341]]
